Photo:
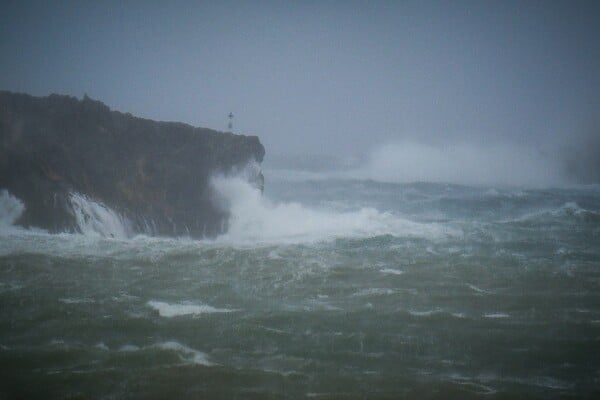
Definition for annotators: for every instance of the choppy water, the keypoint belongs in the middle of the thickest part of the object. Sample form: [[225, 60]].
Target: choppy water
[[326, 289]]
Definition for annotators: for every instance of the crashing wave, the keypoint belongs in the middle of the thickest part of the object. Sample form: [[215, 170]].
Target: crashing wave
[[97, 220], [253, 218], [568, 211], [11, 208]]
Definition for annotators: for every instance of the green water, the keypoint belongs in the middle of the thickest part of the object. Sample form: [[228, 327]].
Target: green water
[[422, 291]]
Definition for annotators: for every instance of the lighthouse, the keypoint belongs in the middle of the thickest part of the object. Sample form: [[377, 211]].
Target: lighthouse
[[230, 124]]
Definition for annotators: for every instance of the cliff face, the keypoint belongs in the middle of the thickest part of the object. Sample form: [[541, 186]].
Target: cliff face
[[155, 174]]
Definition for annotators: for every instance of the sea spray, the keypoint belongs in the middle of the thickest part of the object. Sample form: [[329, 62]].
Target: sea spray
[[96, 219], [254, 218], [461, 164], [11, 208]]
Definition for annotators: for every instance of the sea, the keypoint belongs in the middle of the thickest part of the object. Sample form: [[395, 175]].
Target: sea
[[323, 287]]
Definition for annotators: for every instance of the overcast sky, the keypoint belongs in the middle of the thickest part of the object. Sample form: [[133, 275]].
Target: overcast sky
[[321, 77]]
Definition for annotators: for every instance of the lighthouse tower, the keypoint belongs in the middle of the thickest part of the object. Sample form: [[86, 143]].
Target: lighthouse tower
[[230, 124]]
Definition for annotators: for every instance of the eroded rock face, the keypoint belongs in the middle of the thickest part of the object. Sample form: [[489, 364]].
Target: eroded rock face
[[156, 174]]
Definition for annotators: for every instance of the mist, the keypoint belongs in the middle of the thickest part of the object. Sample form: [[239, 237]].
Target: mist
[[347, 80], [461, 163], [299, 199]]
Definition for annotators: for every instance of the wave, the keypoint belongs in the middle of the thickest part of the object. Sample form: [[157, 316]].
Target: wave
[[477, 290], [496, 315], [256, 219], [11, 209], [434, 313], [568, 211], [96, 219], [186, 354], [169, 310], [92, 218], [391, 271], [368, 292]]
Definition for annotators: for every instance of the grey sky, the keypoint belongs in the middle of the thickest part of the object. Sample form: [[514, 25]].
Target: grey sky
[[321, 77]]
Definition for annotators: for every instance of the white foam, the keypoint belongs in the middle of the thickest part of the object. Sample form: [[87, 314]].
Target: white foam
[[426, 313], [69, 300], [391, 271], [169, 310], [96, 219], [11, 208], [101, 346], [476, 289], [374, 292], [186, 353], [567, 209], [128, 348], [255, 219], [496, 315]]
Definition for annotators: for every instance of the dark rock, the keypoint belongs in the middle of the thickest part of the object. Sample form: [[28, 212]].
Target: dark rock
[[145, 170]]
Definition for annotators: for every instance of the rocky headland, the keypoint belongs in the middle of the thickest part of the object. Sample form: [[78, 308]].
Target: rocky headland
[[57, 150]]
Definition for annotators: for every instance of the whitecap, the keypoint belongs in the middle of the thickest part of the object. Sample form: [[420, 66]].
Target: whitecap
[[426, 313], [127, 348], [374, 292], [187, 354], [476, 289], [391, 271], [70, 300], [496, 315], [255, 219], [169, 310], [101, 346]]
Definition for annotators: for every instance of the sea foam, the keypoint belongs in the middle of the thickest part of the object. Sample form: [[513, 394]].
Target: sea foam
[[96, 219], [169, 310], [11, 208], [391, 271], [186, 354], [256, 219]]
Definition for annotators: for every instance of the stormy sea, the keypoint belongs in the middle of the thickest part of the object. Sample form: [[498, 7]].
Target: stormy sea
[[322, 288]]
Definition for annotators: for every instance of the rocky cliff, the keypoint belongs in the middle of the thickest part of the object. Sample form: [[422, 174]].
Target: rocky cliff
[[57, 150]]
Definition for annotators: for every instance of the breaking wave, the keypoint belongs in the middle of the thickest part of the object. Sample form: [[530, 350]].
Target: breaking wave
[[569, 211], [11, 208], [96, 219], [93, 219], [169, 310], [256, 219]]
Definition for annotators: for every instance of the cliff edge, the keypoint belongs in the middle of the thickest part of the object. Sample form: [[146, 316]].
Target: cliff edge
[[58, 151]]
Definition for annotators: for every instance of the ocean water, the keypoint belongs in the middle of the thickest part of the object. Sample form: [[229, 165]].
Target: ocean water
[[321, 289]]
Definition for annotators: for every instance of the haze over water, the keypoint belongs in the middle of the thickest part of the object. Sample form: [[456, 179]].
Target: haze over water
[[341, 80], [430, 225]]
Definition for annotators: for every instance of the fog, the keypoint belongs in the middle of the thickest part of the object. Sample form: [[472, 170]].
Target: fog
[[460, 163], [467, 91]]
